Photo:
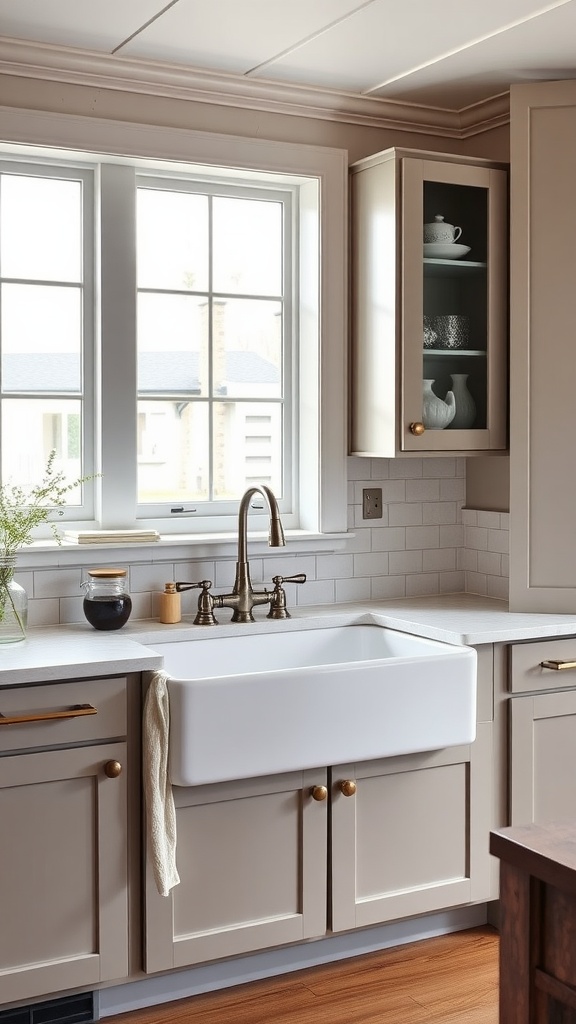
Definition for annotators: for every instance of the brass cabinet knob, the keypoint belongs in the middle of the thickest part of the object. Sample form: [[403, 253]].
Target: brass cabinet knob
[[417, 429], [318, 792], [347, 787], [112, 769]]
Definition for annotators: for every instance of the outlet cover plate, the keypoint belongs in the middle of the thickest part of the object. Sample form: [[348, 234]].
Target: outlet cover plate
[[372, 503]]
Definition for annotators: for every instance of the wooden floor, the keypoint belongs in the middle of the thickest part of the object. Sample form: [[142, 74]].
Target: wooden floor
[[452, 979]]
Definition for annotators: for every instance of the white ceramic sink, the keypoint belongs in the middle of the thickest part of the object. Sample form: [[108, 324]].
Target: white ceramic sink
[[260, 704]]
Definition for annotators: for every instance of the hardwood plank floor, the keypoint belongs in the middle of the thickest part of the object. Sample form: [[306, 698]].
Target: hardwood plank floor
[[452, 979]]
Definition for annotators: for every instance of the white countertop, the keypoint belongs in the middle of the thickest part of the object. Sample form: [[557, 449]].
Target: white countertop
[[78, 651], [454, 618]]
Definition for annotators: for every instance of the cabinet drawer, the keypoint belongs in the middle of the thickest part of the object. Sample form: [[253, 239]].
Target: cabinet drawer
[[527, 665], [63, 713]]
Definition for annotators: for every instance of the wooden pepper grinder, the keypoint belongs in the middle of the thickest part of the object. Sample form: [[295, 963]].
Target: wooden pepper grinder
[[170, 609]]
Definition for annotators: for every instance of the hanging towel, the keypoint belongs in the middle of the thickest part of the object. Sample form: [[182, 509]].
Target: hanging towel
[[159, 801]]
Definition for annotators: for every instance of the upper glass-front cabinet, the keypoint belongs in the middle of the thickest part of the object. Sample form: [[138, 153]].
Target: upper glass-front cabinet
[[429, 305]]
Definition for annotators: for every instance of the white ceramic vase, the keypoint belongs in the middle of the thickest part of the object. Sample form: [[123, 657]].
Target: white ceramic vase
[[436, 413], [465, 413]]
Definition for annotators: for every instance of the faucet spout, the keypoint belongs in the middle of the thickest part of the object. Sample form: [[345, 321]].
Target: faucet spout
[[276, 532], [243, 596]]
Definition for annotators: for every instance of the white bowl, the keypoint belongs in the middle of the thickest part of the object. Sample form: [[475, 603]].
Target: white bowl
[[445, 250]]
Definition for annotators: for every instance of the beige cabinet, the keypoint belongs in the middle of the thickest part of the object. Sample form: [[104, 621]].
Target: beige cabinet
[[400, 287], [543, 314], [63, 838], [414, 836], [543, 732], [252, 860]]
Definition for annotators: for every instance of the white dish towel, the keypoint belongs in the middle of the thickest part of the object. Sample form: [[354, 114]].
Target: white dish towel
[[159, 801]]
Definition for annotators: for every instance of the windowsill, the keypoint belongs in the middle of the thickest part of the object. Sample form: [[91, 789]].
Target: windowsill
[[176, 547]]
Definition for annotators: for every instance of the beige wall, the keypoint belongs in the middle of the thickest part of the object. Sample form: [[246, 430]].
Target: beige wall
[[487, 478]]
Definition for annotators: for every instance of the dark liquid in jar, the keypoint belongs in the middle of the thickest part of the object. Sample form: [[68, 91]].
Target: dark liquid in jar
[[108, 612]]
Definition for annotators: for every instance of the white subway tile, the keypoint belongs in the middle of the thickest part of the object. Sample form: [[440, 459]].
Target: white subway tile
[[477, 538], [461, 467], [151, 577], [44, 612], [436, 468], [406, 469], [451, 536], [71, 610], [316, 592], [451, 582], [402, 562], [422, 490], [422, 537], [290, 565], [497, 587], [504, 520], [357, 468], [141, 606], [359, 540], [57, 583], [475, 583], [489, 520], [334, 567], [422, 585], [353, 590], [469, 517], [453, 489], [388, 588], [468, 559], [406, 514], [388, 539], [374, 563], [224, 572], [439, 559], [393, 490], [443, 513], [498, 540], [380, 469], [490, 562], [505, 565]]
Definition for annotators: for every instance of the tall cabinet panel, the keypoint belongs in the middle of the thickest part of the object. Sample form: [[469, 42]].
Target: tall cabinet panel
[[543, 348], [429, 348]]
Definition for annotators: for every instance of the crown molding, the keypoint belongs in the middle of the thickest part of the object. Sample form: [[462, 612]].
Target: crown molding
[[72, 66]]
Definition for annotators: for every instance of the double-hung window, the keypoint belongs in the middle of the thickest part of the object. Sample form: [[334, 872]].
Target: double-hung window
[[215, 345], [165, 328]]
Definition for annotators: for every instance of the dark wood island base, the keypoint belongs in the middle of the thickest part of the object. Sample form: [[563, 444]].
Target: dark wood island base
[[537, 922]]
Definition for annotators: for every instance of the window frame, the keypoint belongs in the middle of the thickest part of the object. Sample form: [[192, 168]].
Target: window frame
[[320, 173]]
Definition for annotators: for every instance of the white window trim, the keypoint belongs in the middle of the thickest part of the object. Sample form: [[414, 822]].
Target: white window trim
[[323, 487]]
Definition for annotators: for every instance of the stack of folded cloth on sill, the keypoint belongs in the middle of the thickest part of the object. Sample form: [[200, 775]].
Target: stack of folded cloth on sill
[[110, 536]]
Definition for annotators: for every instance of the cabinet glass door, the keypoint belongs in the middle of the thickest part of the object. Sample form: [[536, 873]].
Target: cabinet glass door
[[454, 277]]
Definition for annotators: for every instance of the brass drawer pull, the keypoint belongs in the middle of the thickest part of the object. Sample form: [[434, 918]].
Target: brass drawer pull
[[75, 711], [558, 665]]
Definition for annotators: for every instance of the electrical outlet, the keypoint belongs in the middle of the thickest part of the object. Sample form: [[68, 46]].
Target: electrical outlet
[[372, 503]]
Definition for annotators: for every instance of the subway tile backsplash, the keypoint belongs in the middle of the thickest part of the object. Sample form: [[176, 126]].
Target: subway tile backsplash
[[426, 543]]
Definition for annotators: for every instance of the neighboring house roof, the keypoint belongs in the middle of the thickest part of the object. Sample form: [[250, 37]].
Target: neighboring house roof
[[165, 372]]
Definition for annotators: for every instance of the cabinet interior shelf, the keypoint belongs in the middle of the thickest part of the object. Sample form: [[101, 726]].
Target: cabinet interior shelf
[[448, 268], [443, 352]]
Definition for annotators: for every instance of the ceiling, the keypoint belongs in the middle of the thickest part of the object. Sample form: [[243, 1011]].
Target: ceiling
[[442, 54]]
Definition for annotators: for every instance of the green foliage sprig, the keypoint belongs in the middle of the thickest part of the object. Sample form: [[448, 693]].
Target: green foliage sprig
[[22, 510]]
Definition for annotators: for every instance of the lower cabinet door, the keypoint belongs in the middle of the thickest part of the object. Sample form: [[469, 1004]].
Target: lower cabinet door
[[63, 871], [252, 860], [410, 834], [542, 744]]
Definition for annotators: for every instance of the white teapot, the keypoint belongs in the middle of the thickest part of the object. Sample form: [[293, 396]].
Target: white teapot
[[440, 231]]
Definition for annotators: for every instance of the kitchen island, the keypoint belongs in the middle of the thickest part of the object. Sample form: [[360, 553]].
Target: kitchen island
[[537, 922]]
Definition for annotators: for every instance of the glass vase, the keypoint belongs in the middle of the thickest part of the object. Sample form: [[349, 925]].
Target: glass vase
[[13, 603]]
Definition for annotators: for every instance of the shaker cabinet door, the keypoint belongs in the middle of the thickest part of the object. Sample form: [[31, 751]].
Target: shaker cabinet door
[[63, 871]]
